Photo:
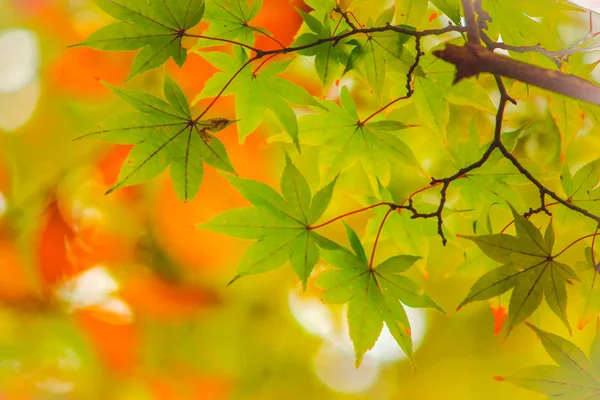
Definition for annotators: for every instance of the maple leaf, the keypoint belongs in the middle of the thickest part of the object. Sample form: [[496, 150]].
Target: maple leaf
[[381, 56], [590, 286], [256, 91], [576, 377], [328, 57], [528, 268], [345, 140], [409, 236], [374, 295], [411, 12], [567, 117], [582, 187], [164, 133], [449, 7], [230, 20], [281, 225], [154, 26]]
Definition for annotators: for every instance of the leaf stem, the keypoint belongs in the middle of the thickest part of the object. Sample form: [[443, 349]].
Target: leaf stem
[[273, 38], [212, 103], [391, 205], [263, 63], [363, 122], [577, 241], [527, 216], [416, 192], [377, 237], [256, 50], [593, 243], [409, 89]]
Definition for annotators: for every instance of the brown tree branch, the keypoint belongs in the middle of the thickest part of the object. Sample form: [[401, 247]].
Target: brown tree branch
[[471, 22], [472, 60]]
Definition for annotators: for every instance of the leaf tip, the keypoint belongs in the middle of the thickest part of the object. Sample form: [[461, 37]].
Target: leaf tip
[[413, 364], [235, 278], [500, 313], [358, 361]]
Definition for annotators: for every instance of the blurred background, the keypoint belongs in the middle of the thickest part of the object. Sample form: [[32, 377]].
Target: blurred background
[[122, 297]]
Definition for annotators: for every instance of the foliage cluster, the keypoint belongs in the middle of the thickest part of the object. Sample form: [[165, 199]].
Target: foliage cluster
[[394, 92]]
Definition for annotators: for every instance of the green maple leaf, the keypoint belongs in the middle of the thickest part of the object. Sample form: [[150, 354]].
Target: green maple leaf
[[382, 56], [576, 377], [154, 26], [449, 7], [528, 268], [344, 140], [329, 58], [374, 295], [321, 6], [582, 186], [230, 20], [411, 12], [164, 133], [567, 116], [281, 225], [411, 236], [256, 91], [590, 286]]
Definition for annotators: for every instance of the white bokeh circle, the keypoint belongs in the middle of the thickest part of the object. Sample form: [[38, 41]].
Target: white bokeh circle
[[19, 59]]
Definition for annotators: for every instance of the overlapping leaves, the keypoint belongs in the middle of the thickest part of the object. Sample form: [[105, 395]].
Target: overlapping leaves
[[280, 225], [582, 187], [154, 26], [374, 295], [590, 286], [230, 20], [164, 133], [382, 54], [528, 268], [328, 58], [345, 140], [576, 377], [256, 92]]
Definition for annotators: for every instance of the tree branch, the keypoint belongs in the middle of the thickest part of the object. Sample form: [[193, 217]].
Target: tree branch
[[388, 28], [471, 22], [472, 60]]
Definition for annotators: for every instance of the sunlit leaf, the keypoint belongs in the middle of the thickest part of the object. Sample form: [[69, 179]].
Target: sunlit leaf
[[573, 378], [256, 91], [164, 133], [280, 224], [375, 295], [529, 269], [154, 26]]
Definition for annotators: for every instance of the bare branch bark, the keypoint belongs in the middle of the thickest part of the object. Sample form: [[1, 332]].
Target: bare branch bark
[[471, 60], [471, 22]]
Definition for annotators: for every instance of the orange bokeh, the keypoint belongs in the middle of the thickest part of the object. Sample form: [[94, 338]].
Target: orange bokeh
[[16, 285], [281, 19], [116, 344], [155, 298]]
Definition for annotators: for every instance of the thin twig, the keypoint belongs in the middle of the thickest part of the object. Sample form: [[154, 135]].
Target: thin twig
[[377, 237], [222, 40], [351, 213], [575, 242]]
